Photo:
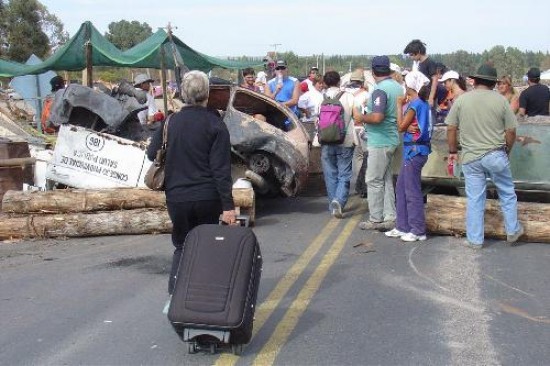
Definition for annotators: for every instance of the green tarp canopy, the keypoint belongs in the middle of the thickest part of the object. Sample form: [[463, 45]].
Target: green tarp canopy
[[147, 54]]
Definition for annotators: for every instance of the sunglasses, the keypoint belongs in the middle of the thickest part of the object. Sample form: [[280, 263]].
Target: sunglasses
[[280, 68]]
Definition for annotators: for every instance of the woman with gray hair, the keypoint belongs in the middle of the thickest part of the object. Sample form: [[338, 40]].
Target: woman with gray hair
[[198, 180]]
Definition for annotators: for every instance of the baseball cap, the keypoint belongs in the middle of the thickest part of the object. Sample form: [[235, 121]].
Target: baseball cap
[[381, 63], [533, 73], [57, 81], [304, 87], [451, 74], [280, 64], [395, 67]]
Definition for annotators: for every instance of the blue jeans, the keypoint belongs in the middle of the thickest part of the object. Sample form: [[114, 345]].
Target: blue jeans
[[337, 161], [494, 165]]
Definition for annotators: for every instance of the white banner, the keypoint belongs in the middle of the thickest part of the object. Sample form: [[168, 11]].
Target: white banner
[[87, 159]]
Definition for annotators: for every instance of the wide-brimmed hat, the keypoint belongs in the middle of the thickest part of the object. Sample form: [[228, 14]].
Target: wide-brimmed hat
[[142, 78], [357, 75], [486, 72]]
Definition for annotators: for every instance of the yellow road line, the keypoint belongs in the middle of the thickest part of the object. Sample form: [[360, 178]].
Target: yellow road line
[[271, 349], [264, 311]]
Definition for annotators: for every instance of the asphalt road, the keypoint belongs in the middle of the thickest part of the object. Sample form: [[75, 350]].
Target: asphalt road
[[330, 294]]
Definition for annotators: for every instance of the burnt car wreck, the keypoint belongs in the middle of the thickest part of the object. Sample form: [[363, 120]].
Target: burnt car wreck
[[103, 110], [272, 154]]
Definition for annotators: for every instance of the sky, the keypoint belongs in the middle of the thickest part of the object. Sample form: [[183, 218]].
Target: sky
[[345, 27]]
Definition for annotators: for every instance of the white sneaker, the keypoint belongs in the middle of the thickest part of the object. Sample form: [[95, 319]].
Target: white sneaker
[[394, 233], [336, 209], [410, 237]]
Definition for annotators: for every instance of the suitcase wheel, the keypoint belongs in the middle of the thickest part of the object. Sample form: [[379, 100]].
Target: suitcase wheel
[[237, 349]]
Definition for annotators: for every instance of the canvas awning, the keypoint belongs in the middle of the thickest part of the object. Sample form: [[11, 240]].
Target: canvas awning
[[147, 54]]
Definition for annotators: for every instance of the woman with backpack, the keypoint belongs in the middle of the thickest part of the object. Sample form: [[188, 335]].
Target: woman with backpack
[[335, 133], [416, 124]]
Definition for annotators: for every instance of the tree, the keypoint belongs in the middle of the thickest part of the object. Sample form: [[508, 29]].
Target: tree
[[54, 29], [23, 33], [26, 27], [125, 34]]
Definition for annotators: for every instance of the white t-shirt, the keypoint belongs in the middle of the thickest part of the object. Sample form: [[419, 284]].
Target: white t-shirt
[[311, 101], [150, 111]]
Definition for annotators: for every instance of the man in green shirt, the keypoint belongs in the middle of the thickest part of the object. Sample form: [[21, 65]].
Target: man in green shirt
[[382, 140], [487, 129]]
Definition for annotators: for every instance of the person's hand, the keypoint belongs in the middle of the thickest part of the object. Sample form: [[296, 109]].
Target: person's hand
[[401, 100], [357, 116], [451, 163], [229, 217], [431, 102], [413, 128]]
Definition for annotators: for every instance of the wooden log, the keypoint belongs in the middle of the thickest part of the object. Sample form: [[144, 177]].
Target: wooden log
[[81, 200], [90, 200], [133, 222], [447, 215]]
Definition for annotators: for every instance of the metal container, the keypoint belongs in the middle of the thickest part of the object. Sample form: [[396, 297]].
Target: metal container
[[13, 177]]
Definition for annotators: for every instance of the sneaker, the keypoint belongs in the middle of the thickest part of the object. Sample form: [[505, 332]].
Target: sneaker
[[336, 209], [410, 237], [386, 225], [394, 233], [167, 305], [369, 225], [514, 237], [466, 243]]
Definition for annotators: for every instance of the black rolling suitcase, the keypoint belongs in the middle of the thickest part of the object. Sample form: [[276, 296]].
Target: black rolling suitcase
[[216, 288]]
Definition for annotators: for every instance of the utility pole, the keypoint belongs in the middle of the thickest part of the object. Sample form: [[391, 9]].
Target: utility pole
[[274, 46]]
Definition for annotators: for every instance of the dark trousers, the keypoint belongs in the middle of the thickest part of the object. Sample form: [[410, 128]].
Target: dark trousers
[[409, 199], [185, 216]]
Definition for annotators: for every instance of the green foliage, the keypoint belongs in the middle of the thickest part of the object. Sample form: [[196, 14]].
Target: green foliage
[[125, 35], [27, 27], [24, 35]]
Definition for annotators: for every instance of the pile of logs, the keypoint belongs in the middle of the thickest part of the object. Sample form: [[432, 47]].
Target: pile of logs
[[447, 215], [86, 212]]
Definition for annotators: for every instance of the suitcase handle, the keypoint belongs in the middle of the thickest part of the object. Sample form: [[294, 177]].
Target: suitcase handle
[[241, 220]]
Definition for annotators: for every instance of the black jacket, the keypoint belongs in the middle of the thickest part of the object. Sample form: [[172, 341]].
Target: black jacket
[[198, 158]]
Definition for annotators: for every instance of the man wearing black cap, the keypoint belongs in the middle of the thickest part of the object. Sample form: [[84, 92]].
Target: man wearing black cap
[[284, 88], [57, 83], [487, 129], [534, 100], [382, 140]]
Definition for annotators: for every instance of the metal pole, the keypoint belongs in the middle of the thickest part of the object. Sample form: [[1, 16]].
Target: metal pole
[[163, 79], [89, 65], [38, 115]]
